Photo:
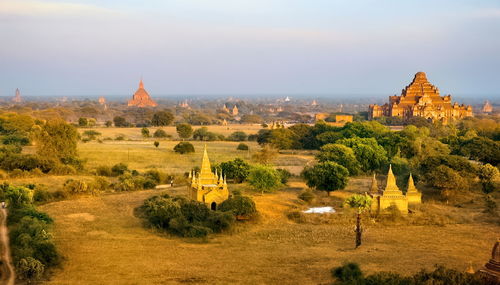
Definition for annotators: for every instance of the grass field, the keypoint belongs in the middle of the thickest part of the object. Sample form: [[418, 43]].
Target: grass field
[[135, 133], [104, 243], [143, 155]]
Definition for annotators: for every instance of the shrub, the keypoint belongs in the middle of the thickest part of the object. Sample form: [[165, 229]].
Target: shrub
[[62, 169], [16, 196], [30, 269], [350, 272], [127, 182], [76, 186], [155, 175], [184, 147], [36, 172], [120, 138], [307, 196], [15, 139], [159, 133], [119, 169], [156, 143], [18, 173], [242, 146], [184, 217], [100, 183], [42, 195], [91, 134], [219, 221], [60, 194], [145, 132], [103, 170], [284, 175], [239, 206], [264, 178]]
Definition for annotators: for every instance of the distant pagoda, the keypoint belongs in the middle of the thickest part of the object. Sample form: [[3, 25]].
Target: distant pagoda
[[487, 107], [141, 98], [17, 98], [421, 99]]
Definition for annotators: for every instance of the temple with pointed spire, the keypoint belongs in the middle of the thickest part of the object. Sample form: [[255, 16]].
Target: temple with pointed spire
[[392, 195], [207, 186], [141, 98]]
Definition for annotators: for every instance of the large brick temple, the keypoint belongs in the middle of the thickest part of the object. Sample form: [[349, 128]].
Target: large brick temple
[[141, 98], [421, 99]]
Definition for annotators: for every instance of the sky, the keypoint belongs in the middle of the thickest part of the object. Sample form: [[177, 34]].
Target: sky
[[332, 47]]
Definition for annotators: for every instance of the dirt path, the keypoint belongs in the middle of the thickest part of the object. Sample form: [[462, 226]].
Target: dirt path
[[8, 274]]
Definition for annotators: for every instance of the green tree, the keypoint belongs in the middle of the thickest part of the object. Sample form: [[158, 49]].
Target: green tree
[[242, 146], [368, 152], [236, 169], [184, 130], [342, 155], [361, 203], [489, 177], [184, 147], [237, 136], [264, 178], [283, 139], [240, 206], [445, 179], [108, 124], [326, 176], [83, 122], [159, 133], [58, 140], [204, 135], [120, 122], [162, 118], [145, 132], [482, 149]]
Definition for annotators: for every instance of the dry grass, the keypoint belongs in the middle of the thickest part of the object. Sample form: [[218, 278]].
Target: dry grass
[[104, 243], [142, 155], [135, 133]]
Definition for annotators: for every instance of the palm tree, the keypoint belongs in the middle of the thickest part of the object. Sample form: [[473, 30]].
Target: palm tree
[[362, 203]]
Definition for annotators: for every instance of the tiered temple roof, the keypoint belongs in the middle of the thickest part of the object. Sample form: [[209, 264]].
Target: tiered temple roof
[[207, 186], [141, 98], [421, 99]]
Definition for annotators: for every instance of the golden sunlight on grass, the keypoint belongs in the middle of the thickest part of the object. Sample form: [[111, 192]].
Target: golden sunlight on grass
[[104, 243]]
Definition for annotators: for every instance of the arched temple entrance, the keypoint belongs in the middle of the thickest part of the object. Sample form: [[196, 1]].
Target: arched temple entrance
[[213, 206]]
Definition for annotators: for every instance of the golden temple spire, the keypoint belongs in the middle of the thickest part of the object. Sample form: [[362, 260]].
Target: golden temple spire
[[391, 185], [206, 169], [411, 185], [141, 85]]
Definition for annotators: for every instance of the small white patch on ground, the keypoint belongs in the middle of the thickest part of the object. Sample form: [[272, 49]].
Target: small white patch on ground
[[319, 210]]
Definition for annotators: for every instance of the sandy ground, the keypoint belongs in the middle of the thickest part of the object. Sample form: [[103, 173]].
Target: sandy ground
[[104, 243]]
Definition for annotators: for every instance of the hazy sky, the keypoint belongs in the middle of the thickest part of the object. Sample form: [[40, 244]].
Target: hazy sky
[[247, 46]]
